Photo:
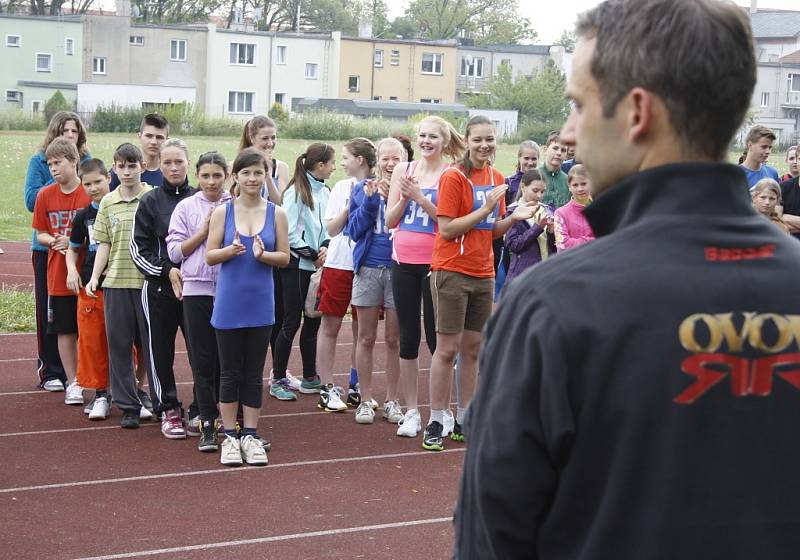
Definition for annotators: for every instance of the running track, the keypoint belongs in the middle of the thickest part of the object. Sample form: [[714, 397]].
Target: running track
[[74, 489]]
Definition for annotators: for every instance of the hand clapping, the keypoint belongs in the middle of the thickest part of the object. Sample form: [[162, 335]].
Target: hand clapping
[[236, 246]]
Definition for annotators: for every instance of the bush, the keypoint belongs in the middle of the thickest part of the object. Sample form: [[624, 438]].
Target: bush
[[327, 125], [278, 113], [17, 119], [55, 104], [184, 119], [533, 130]]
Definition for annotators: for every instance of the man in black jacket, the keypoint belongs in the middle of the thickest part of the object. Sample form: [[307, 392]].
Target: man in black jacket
[[639, 396]]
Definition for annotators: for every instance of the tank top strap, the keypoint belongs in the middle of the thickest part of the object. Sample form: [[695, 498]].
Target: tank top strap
[[274, 168], [269, 219], [411, 168]]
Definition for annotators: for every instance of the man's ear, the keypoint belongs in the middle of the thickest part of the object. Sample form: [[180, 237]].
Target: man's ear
[[641, 106]]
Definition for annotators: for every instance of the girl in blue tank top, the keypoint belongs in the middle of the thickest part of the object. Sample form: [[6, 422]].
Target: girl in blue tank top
[[248, 236]]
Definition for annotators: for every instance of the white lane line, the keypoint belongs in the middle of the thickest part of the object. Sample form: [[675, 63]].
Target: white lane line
[[10, 360], [146, 423], [276, 538], [224, 470], [43, 392]]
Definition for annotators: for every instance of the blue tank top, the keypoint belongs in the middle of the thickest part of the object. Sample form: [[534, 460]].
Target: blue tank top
[[245, 291]]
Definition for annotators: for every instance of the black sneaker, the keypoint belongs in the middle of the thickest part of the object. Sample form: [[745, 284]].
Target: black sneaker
[[130, 419], [432, 440], [353, 397], [458, 432], [208, 437], [145, 400]]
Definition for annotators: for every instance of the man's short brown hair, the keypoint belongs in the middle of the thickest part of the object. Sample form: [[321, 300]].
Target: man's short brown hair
[[696, 55], [552, 137], [758, 132], [61, 148]]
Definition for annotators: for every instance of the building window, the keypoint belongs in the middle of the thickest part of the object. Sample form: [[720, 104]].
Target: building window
[[765, 99], [240, 101], [311, 70], [794, 82], [280, 98], [376, 97], [99, 65], [353, 83], [136, 40], [44, 62], [395, 60], [243, 53], [432, 63], [13, 95], [392, 98], [13, 40], [471, 67], [177, 50], [378, 58], [69, 46], [36, 106], [430, 100], [280, 54]]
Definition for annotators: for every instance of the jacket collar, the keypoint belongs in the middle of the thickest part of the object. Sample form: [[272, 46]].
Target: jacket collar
[[176, 189], [226, 196], [685, 189], [315, 183]]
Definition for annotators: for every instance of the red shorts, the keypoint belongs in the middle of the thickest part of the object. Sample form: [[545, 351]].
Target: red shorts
[[335, 290]]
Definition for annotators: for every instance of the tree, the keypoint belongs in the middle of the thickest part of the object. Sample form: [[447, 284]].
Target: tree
[[538, 98], [567, 40], [177, 11], [486, 21], [56, 103], [51, 8]]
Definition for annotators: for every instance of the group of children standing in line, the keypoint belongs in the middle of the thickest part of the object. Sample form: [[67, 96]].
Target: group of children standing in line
[[125, 256]]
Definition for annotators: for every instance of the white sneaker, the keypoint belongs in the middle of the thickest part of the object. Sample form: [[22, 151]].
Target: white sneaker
[[294, 383], [411, 424], [365, 414], [252, 451], [449, 422], [330, 399], [88, 408], [392, 412], [74, 394], [145, 414], [53, 385], [231, 451], [374, 404], [99, 409]]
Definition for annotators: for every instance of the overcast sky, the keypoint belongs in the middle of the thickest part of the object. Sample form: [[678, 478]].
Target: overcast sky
[[550, 22]]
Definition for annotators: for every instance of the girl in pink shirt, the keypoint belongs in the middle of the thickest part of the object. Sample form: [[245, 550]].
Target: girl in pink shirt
[[572, 229]]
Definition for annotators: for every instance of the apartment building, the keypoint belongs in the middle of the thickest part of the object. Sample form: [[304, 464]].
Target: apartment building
[[476, 65], [396, 70], [40, 55]]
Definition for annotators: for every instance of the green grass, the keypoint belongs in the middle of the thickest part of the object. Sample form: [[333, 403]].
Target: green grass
[[18, 147], [17, 311]]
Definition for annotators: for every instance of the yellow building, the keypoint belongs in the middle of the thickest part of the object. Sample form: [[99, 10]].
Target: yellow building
[[396, 70]]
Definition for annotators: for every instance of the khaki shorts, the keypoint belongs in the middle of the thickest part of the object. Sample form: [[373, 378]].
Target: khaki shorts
[[460, 302]]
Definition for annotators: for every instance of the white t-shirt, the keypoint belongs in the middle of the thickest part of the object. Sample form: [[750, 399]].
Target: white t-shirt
[[340, 250]]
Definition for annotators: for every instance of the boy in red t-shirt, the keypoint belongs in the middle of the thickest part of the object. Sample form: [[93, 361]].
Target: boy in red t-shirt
[[56, 205]]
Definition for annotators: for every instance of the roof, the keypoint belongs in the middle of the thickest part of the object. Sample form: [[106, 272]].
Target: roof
[[374, 108], [775, 24], [517, 49], [438, 43], [65, 18], [793, 58], [49, 85]]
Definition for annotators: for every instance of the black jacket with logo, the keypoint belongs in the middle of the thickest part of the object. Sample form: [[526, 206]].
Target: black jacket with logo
[[639, 397]]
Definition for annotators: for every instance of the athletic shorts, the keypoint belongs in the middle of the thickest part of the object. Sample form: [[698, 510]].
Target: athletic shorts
[[335, 291], [460, 302], [372, 287], [62, 315]]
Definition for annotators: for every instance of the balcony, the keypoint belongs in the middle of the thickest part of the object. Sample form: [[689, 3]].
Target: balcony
[[468, 84], [792, 100]]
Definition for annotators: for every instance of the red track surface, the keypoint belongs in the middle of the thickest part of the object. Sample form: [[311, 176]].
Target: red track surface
[[333, 489]]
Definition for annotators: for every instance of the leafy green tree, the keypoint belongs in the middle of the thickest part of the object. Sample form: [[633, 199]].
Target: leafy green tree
[[56, 103], [538, 98], [486, 21], [567, 40]]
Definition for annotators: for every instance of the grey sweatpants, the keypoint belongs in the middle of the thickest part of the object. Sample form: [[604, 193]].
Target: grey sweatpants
[[124, 319]]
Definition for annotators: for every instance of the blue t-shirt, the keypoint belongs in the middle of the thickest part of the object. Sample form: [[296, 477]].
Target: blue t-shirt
[[380, 250], [153, 178], [766, 172]]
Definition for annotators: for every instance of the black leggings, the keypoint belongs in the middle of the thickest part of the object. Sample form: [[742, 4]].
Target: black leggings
[[410, 287], [295, 288], [276, 328], [203, 356], [242, 355]]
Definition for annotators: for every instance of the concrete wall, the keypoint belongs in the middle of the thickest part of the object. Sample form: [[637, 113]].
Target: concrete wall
[[43, 35]]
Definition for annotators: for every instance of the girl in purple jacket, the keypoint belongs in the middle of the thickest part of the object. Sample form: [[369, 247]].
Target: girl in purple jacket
[[530, 241], [186, 244]]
